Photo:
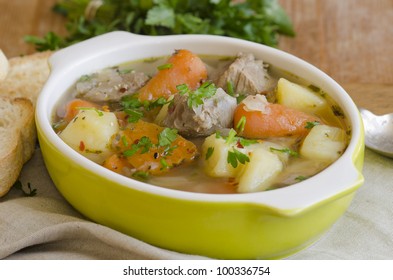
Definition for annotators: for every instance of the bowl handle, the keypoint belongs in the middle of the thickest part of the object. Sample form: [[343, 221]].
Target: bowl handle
[[107, 42]]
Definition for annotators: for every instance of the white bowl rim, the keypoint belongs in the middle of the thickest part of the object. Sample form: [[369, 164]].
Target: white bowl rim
[[341, 177]]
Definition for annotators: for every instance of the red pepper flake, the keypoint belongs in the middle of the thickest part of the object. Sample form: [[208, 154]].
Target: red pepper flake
[[81, 146], [239, 145]]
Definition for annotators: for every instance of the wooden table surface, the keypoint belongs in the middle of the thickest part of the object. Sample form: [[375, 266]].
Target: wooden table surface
[[350, 40]]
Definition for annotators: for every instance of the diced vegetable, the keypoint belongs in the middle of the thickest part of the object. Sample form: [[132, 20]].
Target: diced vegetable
[[273, 120], [90, 133], [117, 163], [262, 162], [184, 68], [74, 106], [299, 97], [216, 165], [153, 149], [260, 172], [325, 143]]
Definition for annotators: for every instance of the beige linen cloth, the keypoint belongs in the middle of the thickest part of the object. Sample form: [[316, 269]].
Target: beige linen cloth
[[47, 227]]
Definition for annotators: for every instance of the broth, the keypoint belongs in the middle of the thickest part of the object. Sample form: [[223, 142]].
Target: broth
[[191, 176]]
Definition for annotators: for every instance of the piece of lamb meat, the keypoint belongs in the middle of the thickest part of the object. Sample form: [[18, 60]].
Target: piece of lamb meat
[[247, 75], [109, 85], [216, 113]]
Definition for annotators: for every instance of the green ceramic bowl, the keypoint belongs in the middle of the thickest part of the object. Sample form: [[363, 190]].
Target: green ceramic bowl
[[264, 225]]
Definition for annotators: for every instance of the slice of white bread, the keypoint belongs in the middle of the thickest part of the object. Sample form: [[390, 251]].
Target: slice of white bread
[[26, 76], [17, 137], [19, 90]]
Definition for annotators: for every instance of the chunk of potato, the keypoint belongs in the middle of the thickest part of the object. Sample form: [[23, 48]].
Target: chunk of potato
[[256, 175], [90, 132], [260, 172], [216, 164], [325, 143], [299, 97]]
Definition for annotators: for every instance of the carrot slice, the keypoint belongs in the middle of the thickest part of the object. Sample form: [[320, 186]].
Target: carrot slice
[[151, 157], [73, 107], [183, 67], [117, 164], [276, 121]]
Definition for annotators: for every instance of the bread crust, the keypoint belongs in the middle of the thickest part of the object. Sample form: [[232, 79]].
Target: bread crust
[[26, 76], [18, 95], [18, 137]]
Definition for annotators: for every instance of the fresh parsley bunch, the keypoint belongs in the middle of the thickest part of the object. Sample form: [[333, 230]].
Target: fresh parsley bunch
[[261, 21]]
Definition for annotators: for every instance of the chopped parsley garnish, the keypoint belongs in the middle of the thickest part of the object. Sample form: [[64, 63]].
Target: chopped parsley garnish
[[130, 102], [246, 142], [230, 89], [209, 152], [144, 144], [183, 89], [165, 66], [196, 97], [133, 115], [124, 141], [310, 125], [164, 163], [285, 151], [134, 108], [167, 136], [241, 124], [235, 156], [231, 136], [240, 98]]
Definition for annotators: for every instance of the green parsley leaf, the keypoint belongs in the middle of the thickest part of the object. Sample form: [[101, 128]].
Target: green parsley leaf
[[253, 20], [196, 97], [183, 89], [133, 115], [240, 125], [167, 136], [230, 88], [246, 142], [286, 151], [144, 144], [124, 141], [50, 41], [130, 102], [161, 15], [165, 66], [231, 136], [209, 152], [164, 163], [235, 156], [310, 125]]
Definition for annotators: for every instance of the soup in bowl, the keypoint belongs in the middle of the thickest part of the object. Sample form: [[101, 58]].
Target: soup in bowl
[[200, 144]]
